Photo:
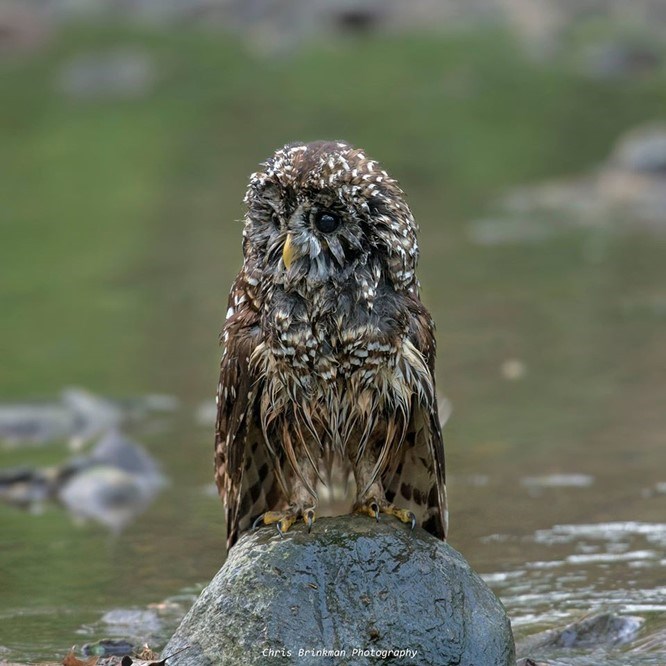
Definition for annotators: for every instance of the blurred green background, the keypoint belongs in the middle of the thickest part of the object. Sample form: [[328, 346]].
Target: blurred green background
[[126, 145], [120, 210]]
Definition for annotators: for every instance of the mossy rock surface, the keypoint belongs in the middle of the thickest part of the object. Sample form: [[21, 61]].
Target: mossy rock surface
[[363, 591]]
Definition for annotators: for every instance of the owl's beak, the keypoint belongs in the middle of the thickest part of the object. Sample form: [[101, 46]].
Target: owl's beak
[[288, 252]]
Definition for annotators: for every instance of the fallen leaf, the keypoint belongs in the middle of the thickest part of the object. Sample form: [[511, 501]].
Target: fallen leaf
[[150, 658], [147, 654], [72, 660]]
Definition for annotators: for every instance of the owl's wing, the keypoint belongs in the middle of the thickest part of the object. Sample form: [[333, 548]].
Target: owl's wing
[[243, 466], [416, 479]]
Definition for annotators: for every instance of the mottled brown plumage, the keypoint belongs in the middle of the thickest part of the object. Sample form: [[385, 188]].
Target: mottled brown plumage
[[328, 367]]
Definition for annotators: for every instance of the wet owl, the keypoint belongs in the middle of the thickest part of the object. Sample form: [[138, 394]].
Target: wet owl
[[328, 364]]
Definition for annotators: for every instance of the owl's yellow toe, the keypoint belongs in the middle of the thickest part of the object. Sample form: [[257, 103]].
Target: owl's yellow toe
[[403, 515], [283, 520], [370, 508], [285, 523], [373, 508]]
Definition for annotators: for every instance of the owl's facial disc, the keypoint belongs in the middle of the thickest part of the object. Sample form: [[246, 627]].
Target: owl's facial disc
[[316, 241]]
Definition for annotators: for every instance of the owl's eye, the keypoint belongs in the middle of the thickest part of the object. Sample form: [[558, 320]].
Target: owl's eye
[[326, 221]]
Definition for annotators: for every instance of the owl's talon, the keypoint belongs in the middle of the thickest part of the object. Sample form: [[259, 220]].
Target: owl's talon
[[285, 523], [403, 515], [309, 519], [371, 508], [282, 520], [374, 509], [269, 518]]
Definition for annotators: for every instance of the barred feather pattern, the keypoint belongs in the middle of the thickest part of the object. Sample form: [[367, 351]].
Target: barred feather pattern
[[329, 356]]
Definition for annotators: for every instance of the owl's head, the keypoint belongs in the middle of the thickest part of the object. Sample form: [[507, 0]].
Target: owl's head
[[323, 212]]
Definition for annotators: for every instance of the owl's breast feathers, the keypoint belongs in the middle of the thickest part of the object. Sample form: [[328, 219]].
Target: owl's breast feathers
[[343, 369]]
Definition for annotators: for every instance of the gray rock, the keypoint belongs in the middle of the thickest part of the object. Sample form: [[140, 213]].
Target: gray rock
[[141, 407], [131, 622], [351, 585], [108, 647], [79, 416], [642, 150], [117, 450], [627, 191], [612, 59], [35, 423], [107, 495], [112, 485], [592, 631], [119, 73], [93, 415], [601, 629], [25, 487]]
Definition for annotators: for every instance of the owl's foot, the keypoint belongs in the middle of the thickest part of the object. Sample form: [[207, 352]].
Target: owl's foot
[[403, 515], [373, 508], [309, 518], [283, 520], [370, 508]]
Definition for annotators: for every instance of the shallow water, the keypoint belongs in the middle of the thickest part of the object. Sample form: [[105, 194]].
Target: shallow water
[[557, 498], [60, 579]]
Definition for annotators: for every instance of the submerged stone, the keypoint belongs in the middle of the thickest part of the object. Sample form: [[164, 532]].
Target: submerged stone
[[352, 592], [592, 631]]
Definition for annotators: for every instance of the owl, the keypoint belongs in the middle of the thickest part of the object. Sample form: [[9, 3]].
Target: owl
[[328, 364]]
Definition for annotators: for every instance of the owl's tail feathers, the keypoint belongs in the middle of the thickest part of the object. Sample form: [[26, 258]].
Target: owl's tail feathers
[[259, 489], [414, 482]]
